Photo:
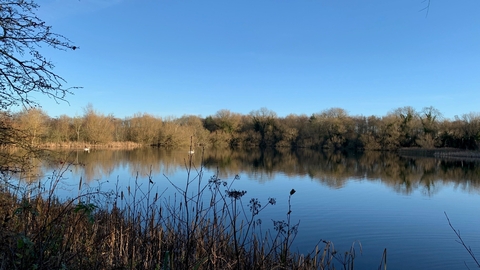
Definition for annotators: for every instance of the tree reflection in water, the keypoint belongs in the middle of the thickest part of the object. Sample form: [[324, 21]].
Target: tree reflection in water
[[333, 169]]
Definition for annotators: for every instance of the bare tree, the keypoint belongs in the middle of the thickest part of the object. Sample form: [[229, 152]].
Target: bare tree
[[98, 128], [144, 128], [77, 124], [33, 124], [23, 69], [59, 129]]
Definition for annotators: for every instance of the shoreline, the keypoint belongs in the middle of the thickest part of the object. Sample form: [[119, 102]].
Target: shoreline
[[82, 146]]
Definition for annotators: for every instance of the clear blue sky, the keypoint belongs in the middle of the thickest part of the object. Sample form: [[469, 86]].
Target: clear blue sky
[[170, 57]]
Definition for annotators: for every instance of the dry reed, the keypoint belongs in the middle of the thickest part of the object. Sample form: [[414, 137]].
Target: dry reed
[[205, 225]]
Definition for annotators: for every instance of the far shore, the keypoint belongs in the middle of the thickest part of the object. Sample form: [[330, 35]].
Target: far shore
[[87, 146]]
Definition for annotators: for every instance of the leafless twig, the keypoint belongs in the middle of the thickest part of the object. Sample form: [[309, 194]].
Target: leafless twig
[[460, 240], [426, 8]]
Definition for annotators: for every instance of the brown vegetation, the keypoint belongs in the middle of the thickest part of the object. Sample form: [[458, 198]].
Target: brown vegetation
[[83, 146], [329, 129], [132, 230], [205, 227]]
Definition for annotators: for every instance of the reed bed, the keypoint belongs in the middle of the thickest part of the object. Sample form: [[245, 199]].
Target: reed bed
[[82, 145], [204, 225]]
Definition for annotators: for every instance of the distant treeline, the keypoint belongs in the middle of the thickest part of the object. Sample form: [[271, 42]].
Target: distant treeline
[[332, 128]]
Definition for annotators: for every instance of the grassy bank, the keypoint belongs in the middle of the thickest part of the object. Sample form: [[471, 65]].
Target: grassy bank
[[205, 225]]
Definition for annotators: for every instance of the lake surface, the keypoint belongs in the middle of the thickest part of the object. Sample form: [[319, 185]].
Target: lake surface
[[379, 200]]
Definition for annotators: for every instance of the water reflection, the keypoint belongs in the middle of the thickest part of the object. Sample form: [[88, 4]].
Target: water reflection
[[403, 174]]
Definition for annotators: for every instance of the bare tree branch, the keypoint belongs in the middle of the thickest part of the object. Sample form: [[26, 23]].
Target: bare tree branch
[[23, 69], [460, 240], [426, 8]]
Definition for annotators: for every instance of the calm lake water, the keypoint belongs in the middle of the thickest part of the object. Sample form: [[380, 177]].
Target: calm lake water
[[379, 200]]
